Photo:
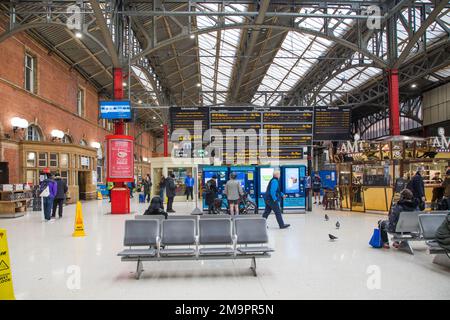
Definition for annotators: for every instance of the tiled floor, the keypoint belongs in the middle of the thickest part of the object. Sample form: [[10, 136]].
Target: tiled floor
[[46, 262]]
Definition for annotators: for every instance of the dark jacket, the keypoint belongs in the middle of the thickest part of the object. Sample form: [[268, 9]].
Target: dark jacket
[[156, 207], [210, 191], [147, 185], [446, 185], [394, 214], [417, 186], [443, 234], [170, 188], [61, 188]]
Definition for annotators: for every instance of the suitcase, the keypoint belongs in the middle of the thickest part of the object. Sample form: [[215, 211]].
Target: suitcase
[[141, 198]]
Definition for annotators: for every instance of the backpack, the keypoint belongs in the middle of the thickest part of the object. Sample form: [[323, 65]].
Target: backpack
[[316, 182]]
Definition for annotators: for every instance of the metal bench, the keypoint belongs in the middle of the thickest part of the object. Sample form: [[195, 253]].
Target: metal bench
[[407, 230], [193, 239], [429, 223]]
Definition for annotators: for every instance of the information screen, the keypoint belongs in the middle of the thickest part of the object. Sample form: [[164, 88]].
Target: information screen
[[115, 110], [292, 180], [266, 174], [240, 176], [332, 123]]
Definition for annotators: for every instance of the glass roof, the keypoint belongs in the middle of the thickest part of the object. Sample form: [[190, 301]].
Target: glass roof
[[217, 52], [140, 75], [297, 54]]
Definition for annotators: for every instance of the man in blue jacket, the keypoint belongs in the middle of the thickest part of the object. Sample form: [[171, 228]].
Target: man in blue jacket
[[189, 183], [272, 199]]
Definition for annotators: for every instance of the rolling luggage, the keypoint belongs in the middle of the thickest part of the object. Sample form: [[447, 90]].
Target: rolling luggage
[[141, 198]]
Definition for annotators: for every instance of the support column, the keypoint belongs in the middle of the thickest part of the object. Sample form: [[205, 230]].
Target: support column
[[394, 102], [166, 140]]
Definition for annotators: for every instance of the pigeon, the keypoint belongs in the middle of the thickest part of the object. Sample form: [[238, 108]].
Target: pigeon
[[332, 237], [326, 217], [338, 225]]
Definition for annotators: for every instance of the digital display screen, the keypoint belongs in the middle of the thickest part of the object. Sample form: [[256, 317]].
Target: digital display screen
[[240, 176], [266, 174], [115, 110], [332, 123], [292, 180]]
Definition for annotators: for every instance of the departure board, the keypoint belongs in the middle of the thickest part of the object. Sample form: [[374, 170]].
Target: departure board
[[332, 123], [250, 131]]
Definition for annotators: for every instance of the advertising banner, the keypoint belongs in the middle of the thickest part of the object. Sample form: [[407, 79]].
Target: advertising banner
[[120, 158]]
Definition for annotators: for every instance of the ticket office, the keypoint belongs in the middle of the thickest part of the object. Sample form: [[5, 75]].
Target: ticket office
[[77, 165]]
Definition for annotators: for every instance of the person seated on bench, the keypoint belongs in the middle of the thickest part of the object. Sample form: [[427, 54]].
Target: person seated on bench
[[405, 203], [443, 234], [156, 207]]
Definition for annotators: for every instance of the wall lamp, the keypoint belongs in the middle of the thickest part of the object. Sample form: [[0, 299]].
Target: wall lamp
[[95, 145], [19, 123], [57, 134]]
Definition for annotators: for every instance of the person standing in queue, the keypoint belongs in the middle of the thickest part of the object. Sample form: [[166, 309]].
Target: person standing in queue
[[233, 191], [170, 191], [48, 190], [147, 187], [317, 185], [162, 187], [211, 193], [417, 187], [272, 199], [61, 190], [189, 183]]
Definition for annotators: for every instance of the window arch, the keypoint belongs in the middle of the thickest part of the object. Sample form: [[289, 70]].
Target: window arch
[[67, 139], [34, 133]]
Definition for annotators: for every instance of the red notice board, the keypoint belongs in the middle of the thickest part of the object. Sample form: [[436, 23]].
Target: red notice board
[[120, 158]]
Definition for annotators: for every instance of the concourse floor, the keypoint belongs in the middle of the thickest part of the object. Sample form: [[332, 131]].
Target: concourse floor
[[48, 263]]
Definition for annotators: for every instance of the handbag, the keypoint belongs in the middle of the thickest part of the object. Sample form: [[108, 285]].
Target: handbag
[[375, 241], [45, 192]]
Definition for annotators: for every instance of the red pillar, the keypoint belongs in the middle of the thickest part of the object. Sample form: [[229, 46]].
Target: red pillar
[[166, 140], [394, 102]]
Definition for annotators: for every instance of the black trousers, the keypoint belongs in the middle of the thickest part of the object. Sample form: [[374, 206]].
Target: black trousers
[[59, 203], [383, 231], [169, 203], [189, 192]]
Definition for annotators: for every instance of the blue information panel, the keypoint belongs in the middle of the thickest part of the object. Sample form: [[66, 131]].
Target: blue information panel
[[115, 110]]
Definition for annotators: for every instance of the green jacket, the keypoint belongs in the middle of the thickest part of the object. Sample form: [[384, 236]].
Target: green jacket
[[443, 234], [109, 186]]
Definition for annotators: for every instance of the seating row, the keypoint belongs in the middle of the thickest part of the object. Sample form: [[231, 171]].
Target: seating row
[[408, 228], [195, 239]]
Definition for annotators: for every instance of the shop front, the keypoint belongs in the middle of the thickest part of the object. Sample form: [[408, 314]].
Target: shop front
[[76, 164], [371, 172]]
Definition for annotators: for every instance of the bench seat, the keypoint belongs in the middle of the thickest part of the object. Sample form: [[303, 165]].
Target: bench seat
[[177, 251], [253, 250], [137, 253], [216, 251]]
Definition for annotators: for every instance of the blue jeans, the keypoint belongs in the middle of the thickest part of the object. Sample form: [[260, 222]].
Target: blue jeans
[[48, 205], [275, 207]]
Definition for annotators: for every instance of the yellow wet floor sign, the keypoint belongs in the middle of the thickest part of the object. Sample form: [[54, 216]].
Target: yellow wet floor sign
[[79, 225], [6, 283]]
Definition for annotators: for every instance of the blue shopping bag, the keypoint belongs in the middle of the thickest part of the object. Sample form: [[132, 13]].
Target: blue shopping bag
[[375, 241]]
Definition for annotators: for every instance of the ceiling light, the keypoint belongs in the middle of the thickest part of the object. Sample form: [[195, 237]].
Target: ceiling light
[[78, 35], [192, 36], [414, 85], [199, 84], [154, 117], [160, 125], [124, 84], [140, 101], [145, 159]]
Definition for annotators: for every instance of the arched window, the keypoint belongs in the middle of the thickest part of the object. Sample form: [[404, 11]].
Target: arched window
[[67, 139], [34, 133], [83, 143]]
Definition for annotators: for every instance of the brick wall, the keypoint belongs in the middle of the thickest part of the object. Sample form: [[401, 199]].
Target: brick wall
[[54, 105]]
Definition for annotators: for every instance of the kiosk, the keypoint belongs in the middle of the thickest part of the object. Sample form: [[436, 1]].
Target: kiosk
[[222, 177], [265, 174], [246, 175], [293, 186]]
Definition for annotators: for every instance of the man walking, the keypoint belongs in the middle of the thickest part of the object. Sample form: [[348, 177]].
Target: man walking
[[147, 187], [417, 187], [272, 199], [61, 190], [48, 191], [170, 191], [189, 183]]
